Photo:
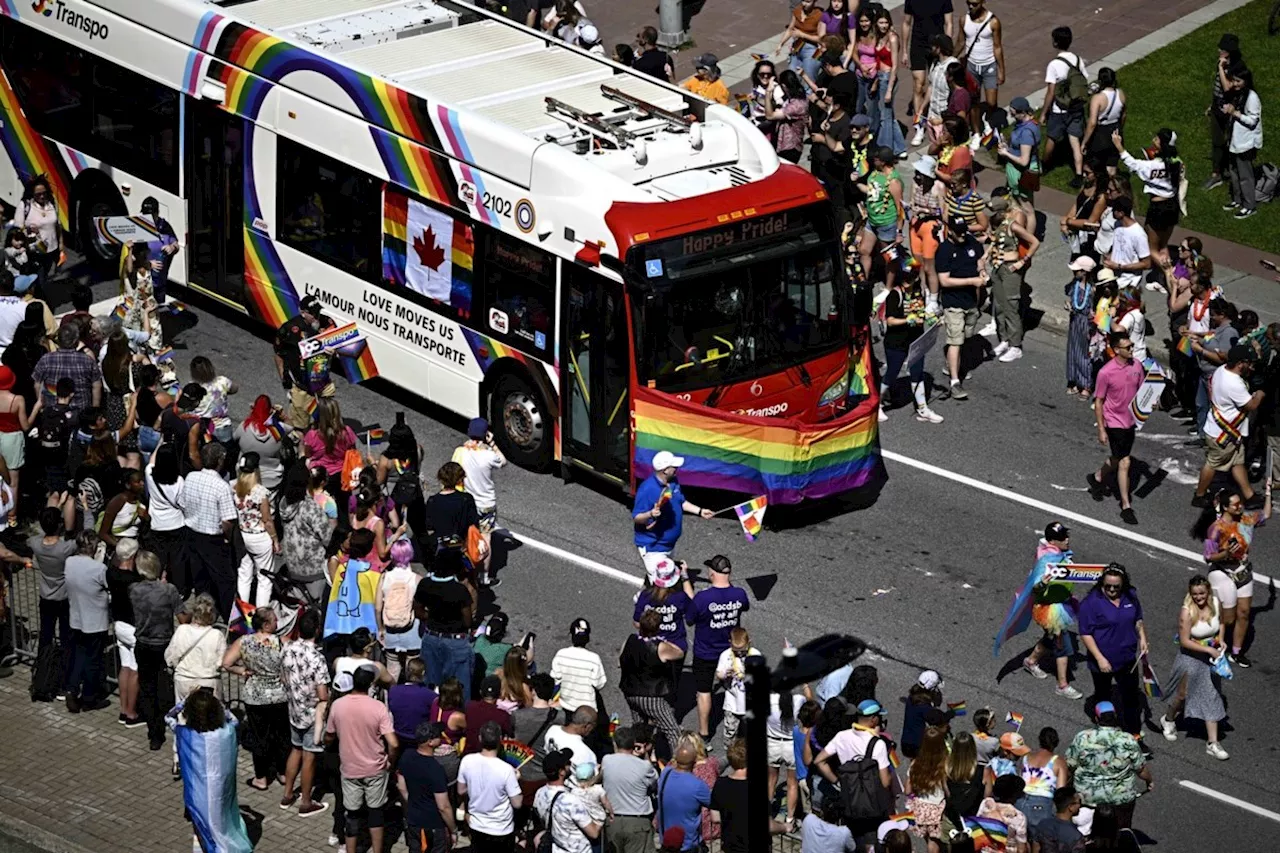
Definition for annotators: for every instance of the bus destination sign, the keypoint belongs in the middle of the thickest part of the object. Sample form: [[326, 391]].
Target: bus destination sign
[[742, 231]]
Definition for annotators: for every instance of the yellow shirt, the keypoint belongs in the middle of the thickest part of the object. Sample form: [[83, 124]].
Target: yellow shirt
[[712, 90]]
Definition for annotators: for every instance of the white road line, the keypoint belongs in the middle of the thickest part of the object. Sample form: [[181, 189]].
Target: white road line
[[1185, 553], [569, 556], [1240, 804]]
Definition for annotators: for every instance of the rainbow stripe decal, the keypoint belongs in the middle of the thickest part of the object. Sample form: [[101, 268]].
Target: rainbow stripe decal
[[786, 460], [413, 166], [487, 350], [266, 281], [29, 152]]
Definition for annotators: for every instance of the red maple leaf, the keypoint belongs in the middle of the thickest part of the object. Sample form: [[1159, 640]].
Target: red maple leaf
[[429, 252]]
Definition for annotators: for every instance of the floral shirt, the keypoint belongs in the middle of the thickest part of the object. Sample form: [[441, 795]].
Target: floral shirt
[[214, 404], [306, 534], [1106, 762], [249, 509], [261, 657], [302, 668]]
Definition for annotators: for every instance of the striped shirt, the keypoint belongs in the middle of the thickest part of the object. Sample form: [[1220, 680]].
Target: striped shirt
[[969, 205], [580, 674]]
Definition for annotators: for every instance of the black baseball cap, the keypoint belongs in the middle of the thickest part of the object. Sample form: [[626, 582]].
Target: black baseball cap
[[192, 394], [1240, 353], [311, 304], [580, 628], [958, 223], [491, 687], [1056, 532], [556, 762], [719, 563]]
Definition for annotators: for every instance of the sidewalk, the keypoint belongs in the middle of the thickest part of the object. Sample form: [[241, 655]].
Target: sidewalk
[[80, 783]]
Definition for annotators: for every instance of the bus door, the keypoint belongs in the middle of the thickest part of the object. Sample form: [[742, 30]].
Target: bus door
[[594, 374], [215, 201]]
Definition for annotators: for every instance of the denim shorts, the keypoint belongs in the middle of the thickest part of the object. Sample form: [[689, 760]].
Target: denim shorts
[[986, 75], [1061, 125], [884, 233]]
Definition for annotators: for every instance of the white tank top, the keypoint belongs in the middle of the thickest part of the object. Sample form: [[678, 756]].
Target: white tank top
[[1201, 630], [980, 47], [1114, 108]]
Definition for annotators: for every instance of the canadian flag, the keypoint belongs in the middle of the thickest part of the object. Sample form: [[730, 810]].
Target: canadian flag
[[429, 259]]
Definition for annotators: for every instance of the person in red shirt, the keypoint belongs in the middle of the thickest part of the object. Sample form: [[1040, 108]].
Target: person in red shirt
[[366, 737], [486, 710], [1117, 385]]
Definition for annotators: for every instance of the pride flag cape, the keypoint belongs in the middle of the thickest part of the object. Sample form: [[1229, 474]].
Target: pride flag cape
[[783, 459], [1055, 567], [209, 777], [751, 516]]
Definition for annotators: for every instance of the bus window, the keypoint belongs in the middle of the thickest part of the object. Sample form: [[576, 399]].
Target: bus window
[[95, 106], [520, 293], [328, 210]]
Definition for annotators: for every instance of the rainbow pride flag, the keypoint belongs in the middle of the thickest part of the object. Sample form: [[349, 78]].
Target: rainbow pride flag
[[239, 620], [893, 757], [516, 753], [751, 516], [1014, 719], [360, 367], [909, 817], [987, 833], [375, 436], [1102, 316], [1150, 684], [1184, 346], [957, 709], [785, 460]]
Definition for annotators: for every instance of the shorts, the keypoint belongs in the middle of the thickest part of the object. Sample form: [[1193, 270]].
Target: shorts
[[782, 752], [370, 791], [1162, 214], [884, 233], [924, 239], [126, 639], [1221, 458], [426, 840], [488, 519], [1120, 440], [299, 400], [1062, 125], [988, 75], [13, 447], [1226, 590], [961, 324], [305, 739], [704, 675], [651, 560], [920, 56]]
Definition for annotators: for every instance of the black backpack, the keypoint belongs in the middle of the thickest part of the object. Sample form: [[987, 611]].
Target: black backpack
[[861, 793], [46, 676], [403, 487], [55, 427]]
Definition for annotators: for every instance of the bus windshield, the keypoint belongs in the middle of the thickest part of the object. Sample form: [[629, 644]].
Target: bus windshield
[[741, 318]]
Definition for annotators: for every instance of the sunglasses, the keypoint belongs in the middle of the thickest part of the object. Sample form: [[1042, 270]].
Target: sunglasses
[[764, 74], [1112, 587]]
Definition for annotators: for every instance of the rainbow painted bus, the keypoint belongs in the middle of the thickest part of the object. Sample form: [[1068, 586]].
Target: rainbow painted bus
[[602, 264]]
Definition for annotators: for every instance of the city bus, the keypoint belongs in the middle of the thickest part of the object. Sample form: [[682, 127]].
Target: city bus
[[600, 263]]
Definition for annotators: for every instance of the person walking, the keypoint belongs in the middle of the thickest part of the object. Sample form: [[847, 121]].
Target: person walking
[[1243, 109], [257, 659], [1113, 633], [980, 42], [479, 457], [155, 606], [922, 21], [1064, 101], [802, 31], [490, 791], [1054, 609], [578, 670], [888, 132], [1106, 115], [1227, 426], [362, 728], [304, 377], [630, 782], [1227, 530], [90, 616], [205, 736], [645, 681], [209, 515], [305, 676], [1106, 764], [1201, 642], [1116, 387], [714, 613]]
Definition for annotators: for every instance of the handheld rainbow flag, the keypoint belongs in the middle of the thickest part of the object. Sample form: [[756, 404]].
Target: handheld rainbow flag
[[1014, 719], [1102, 316], [751, 516], [957, 709], [240, 619], [122, 308], [987, 832], [664, 498], [375, 436], [990, 141], [614, 722], [759, 57], [1150, 684], [893, 757], [555, 699], [516, 753], [909, 817], [1184, 345]]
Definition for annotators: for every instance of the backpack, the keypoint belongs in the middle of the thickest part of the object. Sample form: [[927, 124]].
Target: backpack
[[1073, 91], [1268, 182], [402, 486], [56, 423], [397, 600], [861, 793]]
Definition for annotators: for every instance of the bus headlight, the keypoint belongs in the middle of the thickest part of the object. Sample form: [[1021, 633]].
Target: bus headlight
[[838, 390]]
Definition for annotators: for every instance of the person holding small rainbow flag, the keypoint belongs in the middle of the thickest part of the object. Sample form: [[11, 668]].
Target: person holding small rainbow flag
[[658, 512]]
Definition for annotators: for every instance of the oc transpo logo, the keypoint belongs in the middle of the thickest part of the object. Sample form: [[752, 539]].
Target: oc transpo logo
[[94, 29], [41, 7]]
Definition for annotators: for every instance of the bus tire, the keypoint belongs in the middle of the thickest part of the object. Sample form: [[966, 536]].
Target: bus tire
[[521, 422], [93, 198]]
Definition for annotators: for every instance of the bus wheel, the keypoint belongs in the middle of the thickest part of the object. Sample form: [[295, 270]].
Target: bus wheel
[[92, 202], [521, 423]]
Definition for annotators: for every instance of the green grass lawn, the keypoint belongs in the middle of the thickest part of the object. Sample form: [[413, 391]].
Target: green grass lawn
[[1172, 88]]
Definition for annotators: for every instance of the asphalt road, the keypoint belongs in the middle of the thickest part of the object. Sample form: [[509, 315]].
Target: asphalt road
[[923, 575]]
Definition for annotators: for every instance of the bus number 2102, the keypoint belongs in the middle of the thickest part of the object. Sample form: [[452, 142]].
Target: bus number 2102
[[497, 204]]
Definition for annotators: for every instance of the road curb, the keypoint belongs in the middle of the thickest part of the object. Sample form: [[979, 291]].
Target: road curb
[[31, 834]]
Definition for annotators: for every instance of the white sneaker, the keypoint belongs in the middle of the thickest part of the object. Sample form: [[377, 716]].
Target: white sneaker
[[1215, 749], [1169, 728], [1157, 286], [988, 330], [1001, 348], [918, 137], [931, 305], [1013, 354], [1068, 692], [333, 840], [928, 416], [883, 416], [974, 141], [1034, 670]]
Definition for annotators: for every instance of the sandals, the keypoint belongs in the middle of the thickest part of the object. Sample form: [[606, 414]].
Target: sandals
[[261, 787]]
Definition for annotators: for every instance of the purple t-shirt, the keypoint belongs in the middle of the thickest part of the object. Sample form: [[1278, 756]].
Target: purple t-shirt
[[672, 612], [1117, 385], [409, 704], [1114, 629], [714, 613]]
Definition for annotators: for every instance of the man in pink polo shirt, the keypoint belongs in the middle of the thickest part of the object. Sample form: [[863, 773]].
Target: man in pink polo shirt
[[1117, 385]]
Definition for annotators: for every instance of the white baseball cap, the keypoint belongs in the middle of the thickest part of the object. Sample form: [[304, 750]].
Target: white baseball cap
[[664, 459], [929, 680], [588, 34]]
